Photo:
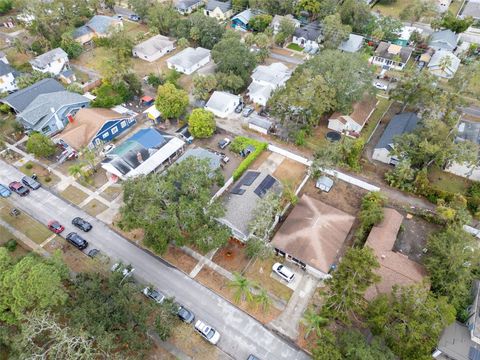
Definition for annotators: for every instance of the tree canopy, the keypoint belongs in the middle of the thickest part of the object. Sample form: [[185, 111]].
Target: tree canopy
[[176, 207], [201, 123], [40, 145], [334, 32], [171, 102]]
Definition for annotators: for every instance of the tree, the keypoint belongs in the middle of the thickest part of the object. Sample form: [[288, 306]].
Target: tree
[[5, 6], [313, 322], [356, 14], [242, 288], [233, 56], [40, 145], [229, 82], [75, 87], [262, 299], [205, 31], [162, 18], [326, 347], [286, 29], [310, 6], [346, 289], [410, 320], [264, 215], [453, 212], [155, 80], [201, 123], [176, 207], [450, 21], [31, 283], [71, 47], [451, 259], [26, 80], [401, 176], [334, 32], [418, 10], [140, 7], [260, 22], [386, 28], [166, 319], [77, 170], [257, 248], [171, 102], [183, 43], [371, 213], [239, 5], [273, 7], [203, 85], [89, 156], [354, 346]]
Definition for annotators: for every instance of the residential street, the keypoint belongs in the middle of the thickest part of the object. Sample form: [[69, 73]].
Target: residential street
[[241, 335]]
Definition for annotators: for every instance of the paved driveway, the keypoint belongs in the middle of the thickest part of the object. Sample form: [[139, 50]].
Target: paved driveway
[[241, 334]]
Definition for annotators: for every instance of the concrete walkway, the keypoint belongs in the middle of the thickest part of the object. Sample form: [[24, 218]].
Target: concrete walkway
[[287, 322]]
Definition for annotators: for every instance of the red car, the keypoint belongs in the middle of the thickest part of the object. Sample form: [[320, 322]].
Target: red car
[[55, 226], [18, 188]]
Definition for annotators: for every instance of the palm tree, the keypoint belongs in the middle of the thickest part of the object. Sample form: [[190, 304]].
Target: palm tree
[[76, 170], [243, 288], [263, 299], [313, 322]]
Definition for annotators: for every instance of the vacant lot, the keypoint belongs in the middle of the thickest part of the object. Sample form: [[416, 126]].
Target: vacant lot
[[290, 173], [446, 181], [71, 193], [394, 9]]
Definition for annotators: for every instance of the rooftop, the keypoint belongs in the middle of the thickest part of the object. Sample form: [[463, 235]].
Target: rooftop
[[440, 55], [468, 130], [455, 342], [99, 24], [185, 4], [472, 8], [314, 233], [390, 51], [244, 16], [445, 39], [219, 101], [352, 44], [47, 58], [153, 45], [395, 268], [400, 124], [260, 121], [222, 5], [6, 69], [189, 57], [202, 154], [274, 74], [311, 31]]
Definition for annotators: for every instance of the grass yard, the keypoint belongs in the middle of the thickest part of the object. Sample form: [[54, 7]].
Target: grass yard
[[44, 177], [96, 180], [455, 6], [31, 228], [377, 115], [18, 59], [393, 9], [7, 124], [295, 47], [446, 181], [94, 207], [111, 192], [74, 195], [5, 236], [93, 58], [260, 270]]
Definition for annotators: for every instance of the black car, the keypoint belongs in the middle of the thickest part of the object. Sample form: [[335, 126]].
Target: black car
[[77, 241], [82, 224], [134, 17], [252, 357], [239, 108], [93, 253], [185, 315], [31, 183]]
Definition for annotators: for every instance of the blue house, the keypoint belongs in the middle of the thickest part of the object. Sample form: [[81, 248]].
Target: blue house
[[240, 21], [91, 127]]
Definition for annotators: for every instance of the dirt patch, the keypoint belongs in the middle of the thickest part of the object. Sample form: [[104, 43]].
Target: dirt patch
[[111, 192], [75, 259], [135, 235], [94, 207], [159, 353], [177, 257], [290, 172], [74, 195], [343, 196], [232, 256], [219, 284], [45, 177], [10, 156], [96, 180], [259, 160]]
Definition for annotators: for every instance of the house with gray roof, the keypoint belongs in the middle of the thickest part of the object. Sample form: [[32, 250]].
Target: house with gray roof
[[153, 48], [21, 99], [471, 9], [8, 74], [214, 159], [400, 124], [97, 26], [353, 44], [467, 130], [220, 10], [265, 80], [186, 7], [308, 36], [443, 64], [54, 61], [189, 60], [259, 123], [49, 113], [443, 40], [391, 55], [241, 20]]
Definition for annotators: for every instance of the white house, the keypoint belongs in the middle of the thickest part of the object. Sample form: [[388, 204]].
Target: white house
[[353, 124], [153, 48], [444, 64], [189, 60], [467, 131], [7, 78], [220, 10], [53, 61], [391, 55], [277, 20], [265, 79], [308, 36], [222, 103]]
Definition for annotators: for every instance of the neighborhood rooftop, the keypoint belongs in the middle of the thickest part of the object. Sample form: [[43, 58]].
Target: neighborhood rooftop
[[311, 31], [5, 69], [189, 57], [202, 154], [154, 44], [43, 60], [222, 5], [400, 124], [391, 51]]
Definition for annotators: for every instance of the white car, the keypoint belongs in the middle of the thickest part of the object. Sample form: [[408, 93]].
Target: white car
[[208, 333], [284, 272], [380, 86], [153, 294], [107, 149], [126, 271]]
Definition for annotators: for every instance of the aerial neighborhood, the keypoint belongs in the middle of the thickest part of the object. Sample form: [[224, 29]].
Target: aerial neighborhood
[[240, 179]]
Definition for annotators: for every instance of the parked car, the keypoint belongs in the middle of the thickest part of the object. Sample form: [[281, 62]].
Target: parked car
[[55, 226], [222, 144], [185, 315], [185, 134], [239, 108], [252, 357], [31, 183], [380, 85], [18, 188], [284, 272], [82, 224], [263, 112], [107, 148], [207, 332], [134, 17], [77, 241], [4, 192], [126, 271], [153, 294], [247, 151], [247, 112], [93, 253]]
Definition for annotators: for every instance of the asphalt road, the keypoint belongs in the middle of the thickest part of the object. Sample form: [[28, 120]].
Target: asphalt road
[[241, 335]]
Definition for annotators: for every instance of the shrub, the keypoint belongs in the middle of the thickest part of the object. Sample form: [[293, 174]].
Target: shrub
[[11, 245], [4, 108], [240, 143], [29, 166], [48, 179]]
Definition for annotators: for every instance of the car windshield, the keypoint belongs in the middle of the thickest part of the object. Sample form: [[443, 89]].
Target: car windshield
[[210, 333], [56, 225]]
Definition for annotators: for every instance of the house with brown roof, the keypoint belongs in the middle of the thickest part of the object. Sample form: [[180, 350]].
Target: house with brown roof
[[94, 126], [395, 268], [313, 235], [353, 124]]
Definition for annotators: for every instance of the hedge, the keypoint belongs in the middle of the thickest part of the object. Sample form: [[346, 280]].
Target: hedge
[[240, 143]]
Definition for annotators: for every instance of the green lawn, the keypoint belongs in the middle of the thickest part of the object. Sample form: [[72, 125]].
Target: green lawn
[[74, 195], [393, 9], [94, 207], [382, 106], [295, 47], [455, 6], [446, 181]]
